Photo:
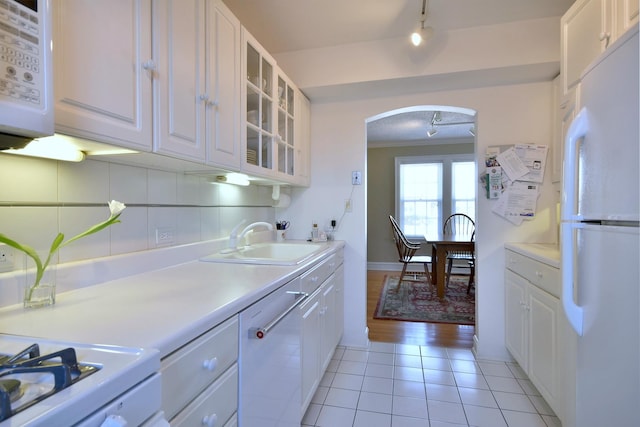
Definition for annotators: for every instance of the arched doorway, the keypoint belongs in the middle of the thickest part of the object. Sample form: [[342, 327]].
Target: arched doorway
[[423, 130]]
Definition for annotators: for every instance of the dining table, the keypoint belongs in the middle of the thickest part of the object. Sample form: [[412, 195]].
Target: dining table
[[442, 243]]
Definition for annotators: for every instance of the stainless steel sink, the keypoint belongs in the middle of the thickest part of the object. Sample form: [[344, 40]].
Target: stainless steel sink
[[270, 253]]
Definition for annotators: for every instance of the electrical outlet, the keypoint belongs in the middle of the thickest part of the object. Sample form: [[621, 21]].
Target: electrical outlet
[[6, 258], [356, 178], [164, 235], [347, 205]]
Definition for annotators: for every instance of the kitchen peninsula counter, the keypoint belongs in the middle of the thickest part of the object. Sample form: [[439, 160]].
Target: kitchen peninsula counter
[[161, 309]]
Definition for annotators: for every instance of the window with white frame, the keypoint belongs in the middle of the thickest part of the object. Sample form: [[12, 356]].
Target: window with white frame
[[430, 188]]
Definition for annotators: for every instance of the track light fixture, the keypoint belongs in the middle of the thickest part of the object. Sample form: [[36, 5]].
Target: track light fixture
[[422, 34], [435, 118]]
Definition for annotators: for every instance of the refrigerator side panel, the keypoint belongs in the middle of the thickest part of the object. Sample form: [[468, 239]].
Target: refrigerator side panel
[[608, 155], [607, 367]]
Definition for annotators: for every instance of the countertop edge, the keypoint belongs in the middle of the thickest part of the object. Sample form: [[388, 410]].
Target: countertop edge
[[147, 319], [546, 253]]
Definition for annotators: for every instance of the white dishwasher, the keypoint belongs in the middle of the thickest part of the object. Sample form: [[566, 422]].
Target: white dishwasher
[[270, 370]]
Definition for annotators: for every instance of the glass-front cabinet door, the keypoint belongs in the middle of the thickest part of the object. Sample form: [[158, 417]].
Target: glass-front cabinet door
[[275, 145], [285, 139], [259, 97]]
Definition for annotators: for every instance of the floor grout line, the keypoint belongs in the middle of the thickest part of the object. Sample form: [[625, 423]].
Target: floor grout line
[[507, 389]]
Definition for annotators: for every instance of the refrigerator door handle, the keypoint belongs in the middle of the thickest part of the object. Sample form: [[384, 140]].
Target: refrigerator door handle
[[574, 313], [577, 130]]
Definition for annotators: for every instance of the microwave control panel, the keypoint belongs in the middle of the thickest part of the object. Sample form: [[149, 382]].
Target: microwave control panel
[[22, 53]]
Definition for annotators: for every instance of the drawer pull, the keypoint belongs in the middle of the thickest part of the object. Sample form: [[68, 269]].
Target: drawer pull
[[210, 364], [210, 420]]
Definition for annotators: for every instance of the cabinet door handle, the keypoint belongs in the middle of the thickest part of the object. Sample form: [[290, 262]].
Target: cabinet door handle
[[605, 37], [149, 65], [204, 97], [210, 420], [210, 364]]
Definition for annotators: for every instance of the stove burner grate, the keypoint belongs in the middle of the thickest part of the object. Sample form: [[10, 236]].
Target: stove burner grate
[[62, 365]]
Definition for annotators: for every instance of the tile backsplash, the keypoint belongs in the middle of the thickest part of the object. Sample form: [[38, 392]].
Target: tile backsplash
[[39, 198]]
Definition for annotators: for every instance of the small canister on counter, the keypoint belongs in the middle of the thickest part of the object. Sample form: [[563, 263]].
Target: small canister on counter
[[281, 226]]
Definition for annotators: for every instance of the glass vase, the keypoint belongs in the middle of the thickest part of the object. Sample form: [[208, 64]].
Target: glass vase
[[44, 293]]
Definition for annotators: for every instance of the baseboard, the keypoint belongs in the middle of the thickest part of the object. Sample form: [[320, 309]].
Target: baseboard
[[397, 266], [384, 266]]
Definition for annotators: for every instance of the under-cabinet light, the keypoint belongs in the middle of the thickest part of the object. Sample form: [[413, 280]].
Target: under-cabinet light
[[234, 178], [51, 148]]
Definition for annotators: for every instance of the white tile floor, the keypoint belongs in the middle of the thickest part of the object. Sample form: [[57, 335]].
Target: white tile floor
[[394, 385]]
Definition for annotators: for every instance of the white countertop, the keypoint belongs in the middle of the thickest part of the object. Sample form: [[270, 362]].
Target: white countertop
[[547, 253], [162, 309]]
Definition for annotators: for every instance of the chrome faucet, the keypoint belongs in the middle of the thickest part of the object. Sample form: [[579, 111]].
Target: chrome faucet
[[234, 237]]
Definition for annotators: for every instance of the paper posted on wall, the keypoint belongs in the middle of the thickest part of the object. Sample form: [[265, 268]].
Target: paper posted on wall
[[513, 177], [518, 202], [524, 162]]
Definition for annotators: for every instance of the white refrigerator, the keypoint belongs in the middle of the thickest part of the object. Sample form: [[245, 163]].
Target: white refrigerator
[[600, 245]]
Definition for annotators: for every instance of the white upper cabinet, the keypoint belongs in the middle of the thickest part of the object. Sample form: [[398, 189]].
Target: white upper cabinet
[[179, 49], [275, 115], [587, 29], [585, 33], [626, 15], [223, 86], [197, 46], [102, 71], [179, 78], [303, 138], [258, 133], [166, 82]]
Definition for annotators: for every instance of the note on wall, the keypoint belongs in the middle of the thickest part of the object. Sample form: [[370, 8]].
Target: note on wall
[[522, 169]]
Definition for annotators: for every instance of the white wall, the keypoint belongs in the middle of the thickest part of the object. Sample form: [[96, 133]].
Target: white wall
[[506, 115]]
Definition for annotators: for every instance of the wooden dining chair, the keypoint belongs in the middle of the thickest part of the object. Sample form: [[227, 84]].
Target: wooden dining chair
[[460, 224], [468, 257], [406, 252]]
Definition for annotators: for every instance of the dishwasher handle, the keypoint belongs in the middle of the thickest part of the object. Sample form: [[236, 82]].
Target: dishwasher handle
[[260, 333]]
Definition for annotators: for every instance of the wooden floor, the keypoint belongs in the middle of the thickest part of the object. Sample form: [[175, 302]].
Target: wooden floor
[[415, 333]]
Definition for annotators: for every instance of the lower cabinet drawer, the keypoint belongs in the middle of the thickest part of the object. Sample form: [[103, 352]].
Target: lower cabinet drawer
[[188, 371], [215, 406], [311, 280], [542, 275], [233, 422]]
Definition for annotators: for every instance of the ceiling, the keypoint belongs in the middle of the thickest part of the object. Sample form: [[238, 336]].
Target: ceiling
[[411, 128], [292, 25]]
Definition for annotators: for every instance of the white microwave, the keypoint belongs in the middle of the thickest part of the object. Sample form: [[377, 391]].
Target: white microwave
[[26, 92]]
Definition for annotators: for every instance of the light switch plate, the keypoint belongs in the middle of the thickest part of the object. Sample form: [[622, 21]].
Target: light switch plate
[[356, 178]]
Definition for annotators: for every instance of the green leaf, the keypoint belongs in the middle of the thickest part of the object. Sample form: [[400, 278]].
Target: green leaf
[[24, 248], [94, 229]]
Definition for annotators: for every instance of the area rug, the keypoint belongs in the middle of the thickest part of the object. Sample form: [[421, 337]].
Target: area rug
[[418, 302]]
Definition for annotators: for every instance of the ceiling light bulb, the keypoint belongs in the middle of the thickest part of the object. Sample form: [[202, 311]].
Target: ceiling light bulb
[[416, 38]]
